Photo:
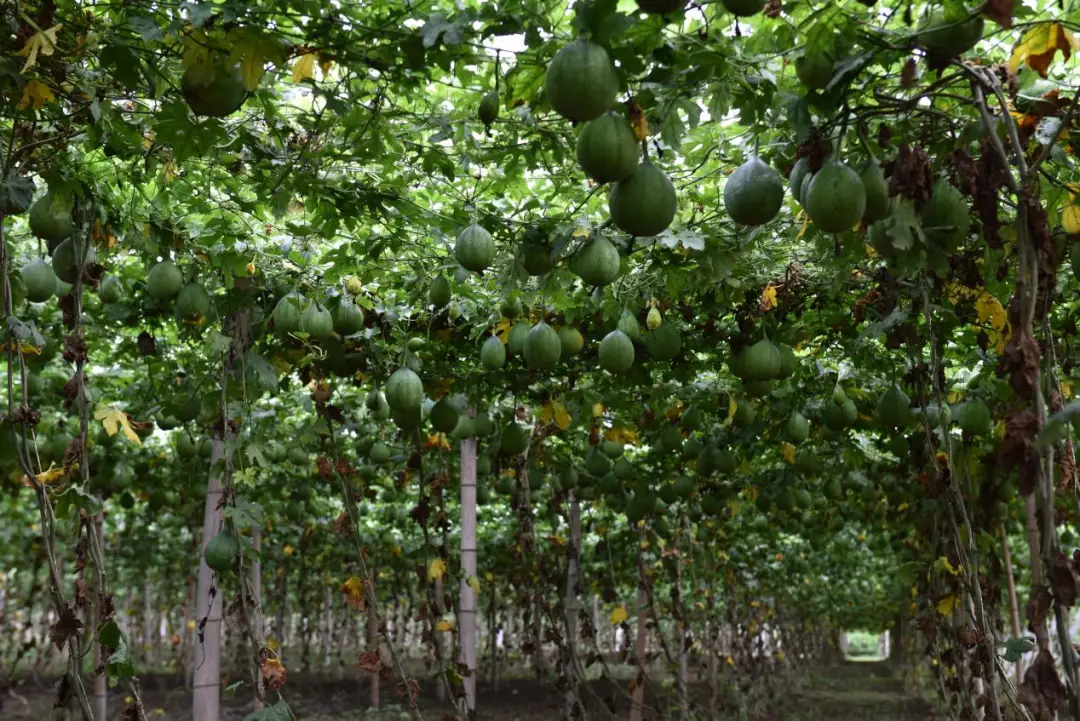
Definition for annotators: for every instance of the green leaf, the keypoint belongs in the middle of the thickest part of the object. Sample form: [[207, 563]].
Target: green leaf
[[16, 194], [278, 712], [74, 499], [903, 226]]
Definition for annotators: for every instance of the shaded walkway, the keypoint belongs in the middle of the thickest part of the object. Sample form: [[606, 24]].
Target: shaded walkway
[[854, 691]]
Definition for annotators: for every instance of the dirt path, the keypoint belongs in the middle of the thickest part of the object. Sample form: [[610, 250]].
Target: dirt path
[[849, 692], [855, 691]]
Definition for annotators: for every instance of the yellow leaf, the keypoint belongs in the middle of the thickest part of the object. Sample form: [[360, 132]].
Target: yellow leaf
[[353, 588], [287, 550], [324, 66], [729, 661], [639, 123], [990, 310], [870, 252], [1067, 388], [732, 405], [621, 434], [805, 224], [250, 269], [253, 67], [947, 605], [562, 416], [789, 452], [474, 583], [36, 94], [768, 298], [304, 68], [1070, 214], [597, 410], [619, 615], [580, 232], [436, 569], [46, 477], [113, 419], [502, 330], [42, 42], [1039, 44], [444, 625]]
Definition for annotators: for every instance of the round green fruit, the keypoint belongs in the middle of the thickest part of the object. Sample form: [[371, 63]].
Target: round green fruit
[[598, 262], [65, 260], [745, 413], [597, 464], [475, 248], [511, 308], [317, 321], [835, 199], [797, 428], [743, 8], [542, 347], [645, 203], [661, 7], [192, 304], [611, 449], [789, 362], [39, 279], [164, 280], [287, 312], [515, 342], [974, 419], [799, 171], [581, 82], [945, 217], [214, 90], [893, 408], [761, 362], [664, 343], [111, 289], [616, 353], [404, 390], [50, 217], [607, 150], [814, 69], [439, 291], [379, 453], [221, 552], [877, 193], [514, 440], [444, 416], [571, 340], [947, 37], [753, 194], [536, 258], [493, 354], [348, 317], [489, 108]]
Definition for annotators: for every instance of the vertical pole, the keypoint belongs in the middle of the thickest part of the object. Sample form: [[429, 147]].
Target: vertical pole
[[641, 641], [571, 608], [467, 604], [206, 698]]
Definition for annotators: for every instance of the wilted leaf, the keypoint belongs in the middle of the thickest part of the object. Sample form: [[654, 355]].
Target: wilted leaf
[[444, 625], [502, 330], [272, 671], [789, 453], [436, 569], [304, 68], [555, 412], [619, 615], [35, 95], [1040, 44], [354, 593], [113, 419], [947, 605], [40, 43], [768, 299]]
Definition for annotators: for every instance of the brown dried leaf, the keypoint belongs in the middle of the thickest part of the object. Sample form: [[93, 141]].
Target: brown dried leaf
[[82, 594], [772, 8], [369, 661], [1042, 692], [1000, 11], [65, 627], [409, 690], [1037, 606], [1062, 580], [1017, 448], [908, 74], [272, 670], [911, 176], [134, 712], [65, 691], [1020, 361]]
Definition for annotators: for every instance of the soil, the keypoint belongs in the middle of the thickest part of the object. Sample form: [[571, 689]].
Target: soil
[[847, 692]]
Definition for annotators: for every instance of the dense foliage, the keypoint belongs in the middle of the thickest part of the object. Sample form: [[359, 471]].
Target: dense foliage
[[779, 294]]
